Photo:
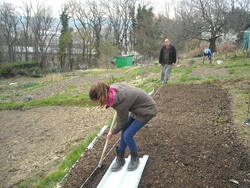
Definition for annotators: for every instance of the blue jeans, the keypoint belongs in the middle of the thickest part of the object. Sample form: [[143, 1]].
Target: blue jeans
[[127, 134]]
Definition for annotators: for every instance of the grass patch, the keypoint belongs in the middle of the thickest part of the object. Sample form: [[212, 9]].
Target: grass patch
[[69, 91], [75, 154], [25, 87], [134, 72], [155, 68], [184, 77], [142, 71], [56, 100], [21, 88], [209, 65], [191, 79], [71, 87], [148, 84], [114, 79], [28, 85]]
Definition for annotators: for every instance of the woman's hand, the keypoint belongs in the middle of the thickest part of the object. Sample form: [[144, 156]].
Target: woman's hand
[[109, 135]]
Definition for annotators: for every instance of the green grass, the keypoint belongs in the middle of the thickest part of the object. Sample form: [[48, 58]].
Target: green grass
[[191, 79], [148, 84], [240, 99], [184, 77], [71, 87], [135, 71], [56, 100], [22, 88], [69, 91], [115, 79], [242, 67], [238, 67]]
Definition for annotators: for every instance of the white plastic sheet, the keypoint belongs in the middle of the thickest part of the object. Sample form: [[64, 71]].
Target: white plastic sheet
[[123, 178]]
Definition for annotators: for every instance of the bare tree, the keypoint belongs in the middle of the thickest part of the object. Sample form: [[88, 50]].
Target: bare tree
[[204, 19], [79, 14], [240, 15], [44, 29], [115, 18], [9, 23], [96, 19], [120, 14], [25, 19]]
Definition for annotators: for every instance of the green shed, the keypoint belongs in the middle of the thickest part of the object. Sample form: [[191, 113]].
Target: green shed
[[122, 61], [246, 40]]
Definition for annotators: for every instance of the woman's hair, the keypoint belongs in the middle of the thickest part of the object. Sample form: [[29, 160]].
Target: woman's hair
[[99, 93]]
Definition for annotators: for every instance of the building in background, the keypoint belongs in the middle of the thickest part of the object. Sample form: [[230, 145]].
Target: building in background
[[246, 40]]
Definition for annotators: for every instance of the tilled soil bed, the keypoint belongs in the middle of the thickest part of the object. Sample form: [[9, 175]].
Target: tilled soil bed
[[191, 143], [33, 141]]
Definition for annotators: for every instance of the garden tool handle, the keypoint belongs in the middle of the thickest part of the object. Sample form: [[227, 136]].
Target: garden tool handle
[[107, 140]]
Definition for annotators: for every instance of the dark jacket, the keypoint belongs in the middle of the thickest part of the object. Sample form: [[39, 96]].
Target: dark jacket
[[134, 100], [172, 55]]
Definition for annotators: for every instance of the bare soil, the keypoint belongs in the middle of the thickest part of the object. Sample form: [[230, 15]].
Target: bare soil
[[205, 72], [33, 141], [192, 142]]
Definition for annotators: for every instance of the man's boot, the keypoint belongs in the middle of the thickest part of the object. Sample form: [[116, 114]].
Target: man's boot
[[133, 162], [120, 161]]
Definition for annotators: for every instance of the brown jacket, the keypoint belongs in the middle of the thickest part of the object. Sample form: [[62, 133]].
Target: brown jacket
[[134, 100]]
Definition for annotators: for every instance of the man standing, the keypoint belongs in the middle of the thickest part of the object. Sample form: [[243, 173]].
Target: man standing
[[166, 59]]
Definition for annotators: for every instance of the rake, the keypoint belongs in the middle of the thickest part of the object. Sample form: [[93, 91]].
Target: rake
[[106, 142]]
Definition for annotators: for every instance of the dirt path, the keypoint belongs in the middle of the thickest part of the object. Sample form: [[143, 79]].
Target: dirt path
[[33, 141], [206, 72], [191, 143]]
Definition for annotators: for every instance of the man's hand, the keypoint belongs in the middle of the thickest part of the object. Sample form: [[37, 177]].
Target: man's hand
[[109, 135]]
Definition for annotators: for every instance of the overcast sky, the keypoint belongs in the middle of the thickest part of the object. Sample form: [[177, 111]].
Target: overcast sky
[[56, 5]]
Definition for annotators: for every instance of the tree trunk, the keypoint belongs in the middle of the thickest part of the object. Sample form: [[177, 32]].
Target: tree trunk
[[62, 62], [26, 53], [97, 46], [9, 54], [212, 44]]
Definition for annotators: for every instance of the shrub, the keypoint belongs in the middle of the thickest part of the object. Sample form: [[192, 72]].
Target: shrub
[[226, 48], [51, 70], [20, 68], [196, 52]]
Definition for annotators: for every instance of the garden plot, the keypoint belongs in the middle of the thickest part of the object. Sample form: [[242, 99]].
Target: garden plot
[[206, 72], [191, 142], [33, 141], [78, 84]]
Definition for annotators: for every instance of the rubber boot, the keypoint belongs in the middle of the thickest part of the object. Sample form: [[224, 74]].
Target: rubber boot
[[120, 161], [133, 162]]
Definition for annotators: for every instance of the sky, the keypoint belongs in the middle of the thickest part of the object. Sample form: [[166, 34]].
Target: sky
[[57, 5]]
